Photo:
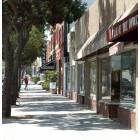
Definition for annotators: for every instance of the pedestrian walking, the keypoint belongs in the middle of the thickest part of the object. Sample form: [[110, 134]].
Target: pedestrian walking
[[26, 82]]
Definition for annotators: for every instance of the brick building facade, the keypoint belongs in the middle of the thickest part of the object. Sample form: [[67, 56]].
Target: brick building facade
[[55, 53]]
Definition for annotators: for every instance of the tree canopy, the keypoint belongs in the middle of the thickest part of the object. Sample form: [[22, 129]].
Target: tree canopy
[[32, 50], [24, 13]]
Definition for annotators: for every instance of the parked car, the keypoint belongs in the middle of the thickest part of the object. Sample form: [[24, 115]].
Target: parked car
[[40, 82]]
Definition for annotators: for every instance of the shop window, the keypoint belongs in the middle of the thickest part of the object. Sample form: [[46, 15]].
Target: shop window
[[81, 78], [115, 77], [128, 77], [93, 78], [105, 84], [68, 79], [116, 62], [73, 78], [115, 85]]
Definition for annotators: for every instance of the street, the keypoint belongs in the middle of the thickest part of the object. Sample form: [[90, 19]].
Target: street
[[39, 114]]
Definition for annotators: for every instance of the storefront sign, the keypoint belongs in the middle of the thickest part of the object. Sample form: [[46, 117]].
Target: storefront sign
[[115, 49], [126, 25], [50, 67], [45, 67]]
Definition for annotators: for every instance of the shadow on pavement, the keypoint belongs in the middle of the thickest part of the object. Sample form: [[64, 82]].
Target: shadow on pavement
[[84, 122], [60, 113]]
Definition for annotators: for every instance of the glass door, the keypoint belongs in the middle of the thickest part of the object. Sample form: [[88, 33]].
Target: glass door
[[115, 85]]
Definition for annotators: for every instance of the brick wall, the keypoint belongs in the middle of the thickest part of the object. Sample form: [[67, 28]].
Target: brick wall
[[90, 103], [108, 110], [73, 96], [127, 117], [102, 109], [80, 99]]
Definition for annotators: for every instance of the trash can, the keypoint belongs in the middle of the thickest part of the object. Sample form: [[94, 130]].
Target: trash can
[[53, 89]]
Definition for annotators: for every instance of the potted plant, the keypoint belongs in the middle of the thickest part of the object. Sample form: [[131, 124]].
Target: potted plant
[[51, 80]]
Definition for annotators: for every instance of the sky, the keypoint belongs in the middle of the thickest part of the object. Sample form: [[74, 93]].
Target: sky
[[89, 2]]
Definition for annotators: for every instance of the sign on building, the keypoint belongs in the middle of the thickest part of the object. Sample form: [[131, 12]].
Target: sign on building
[[128, 24]]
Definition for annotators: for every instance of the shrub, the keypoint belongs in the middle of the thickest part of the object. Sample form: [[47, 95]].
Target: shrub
[[35, 79], [50, 76], [45, 85]]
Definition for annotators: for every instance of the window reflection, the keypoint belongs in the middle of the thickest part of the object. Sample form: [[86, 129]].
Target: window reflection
[[93, 79], [127, 84], [105, 79]]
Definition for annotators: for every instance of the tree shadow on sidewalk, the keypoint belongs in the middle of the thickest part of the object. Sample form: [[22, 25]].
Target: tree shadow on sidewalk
[[58, 112], [77, 121]]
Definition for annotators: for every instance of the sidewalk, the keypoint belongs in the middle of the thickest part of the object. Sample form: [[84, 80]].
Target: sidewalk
[[42, 114]]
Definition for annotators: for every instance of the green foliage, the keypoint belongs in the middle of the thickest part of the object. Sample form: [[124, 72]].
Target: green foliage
[[41, 12], [45, 85], [33, 47], [29, 70], [74, 11], [58, 11], [35, 79], [50, 76], [13, 38]]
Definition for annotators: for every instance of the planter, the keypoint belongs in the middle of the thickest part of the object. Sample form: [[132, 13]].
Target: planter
[[53, 88], [53, 91]]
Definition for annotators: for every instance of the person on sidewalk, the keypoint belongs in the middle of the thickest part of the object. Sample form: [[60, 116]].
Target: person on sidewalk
[[26, 82]]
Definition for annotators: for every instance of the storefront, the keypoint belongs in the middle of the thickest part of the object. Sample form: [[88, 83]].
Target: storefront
[[123, 76], [117, 84], [73, 83], [81, 83], [123, 83], [117, 95], [92, 98]]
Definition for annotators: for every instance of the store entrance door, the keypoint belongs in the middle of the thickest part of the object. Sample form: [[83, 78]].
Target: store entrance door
[[115, 85]]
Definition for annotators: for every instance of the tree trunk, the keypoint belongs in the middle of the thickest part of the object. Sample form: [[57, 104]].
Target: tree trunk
[[6, 97], [9, 57], [22, 40], [15, 86], [16, 78]]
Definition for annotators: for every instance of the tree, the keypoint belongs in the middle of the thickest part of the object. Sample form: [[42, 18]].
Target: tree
[[18, 18], [64, 10], [31, 51], [33, 47]]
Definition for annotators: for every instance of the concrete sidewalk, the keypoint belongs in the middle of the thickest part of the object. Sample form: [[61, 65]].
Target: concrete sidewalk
[[42, 114]]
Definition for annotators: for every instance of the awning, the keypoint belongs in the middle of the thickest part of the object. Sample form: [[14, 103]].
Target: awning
[[48, 66], [81, 54], [116, 48], [125, 27]]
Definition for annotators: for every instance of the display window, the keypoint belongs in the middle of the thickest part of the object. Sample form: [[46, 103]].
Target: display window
[[68, 79], [105, 78], [93, 78], [115, 85], [115, 77], [81, 78], [123, 76], [73, 78], [128, 74]]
